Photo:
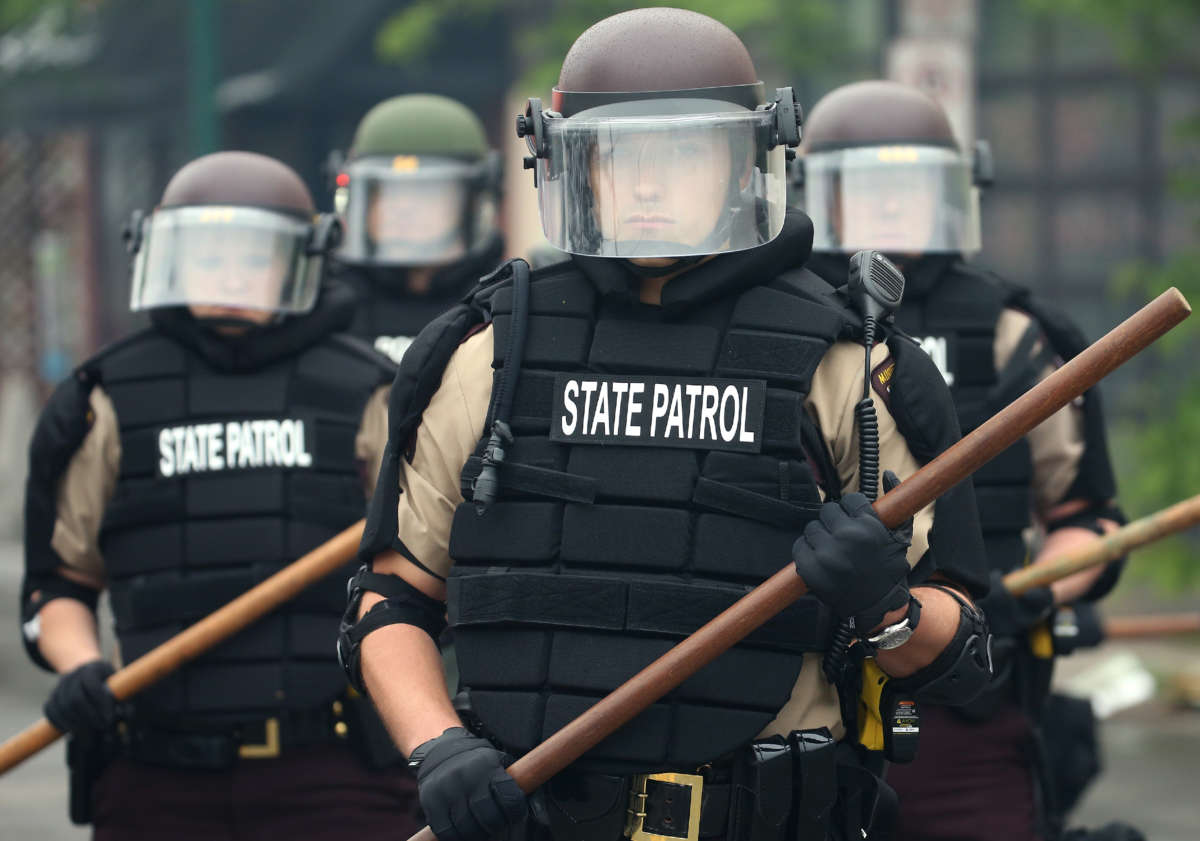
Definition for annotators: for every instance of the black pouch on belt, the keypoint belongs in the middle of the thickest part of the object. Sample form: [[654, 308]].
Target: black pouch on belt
[[586, 806], [815, 785], [368, 737], [87, 757], [762, 792]]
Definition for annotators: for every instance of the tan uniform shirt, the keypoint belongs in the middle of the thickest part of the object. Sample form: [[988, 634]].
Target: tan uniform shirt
[[91, 476], [1056, 444], [453, 424]]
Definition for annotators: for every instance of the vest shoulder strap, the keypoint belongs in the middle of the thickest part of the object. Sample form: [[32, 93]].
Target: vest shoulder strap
[[147, 352], [418, 377]]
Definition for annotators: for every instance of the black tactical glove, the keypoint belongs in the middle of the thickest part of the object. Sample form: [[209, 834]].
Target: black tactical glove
[[1011, 616], [465, 792], [82, 703], [852, 562], [1076, 626]]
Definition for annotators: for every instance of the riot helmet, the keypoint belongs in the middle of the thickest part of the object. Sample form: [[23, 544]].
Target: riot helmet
[[235, 233], [419, 187], [660, 142], [881, 169]]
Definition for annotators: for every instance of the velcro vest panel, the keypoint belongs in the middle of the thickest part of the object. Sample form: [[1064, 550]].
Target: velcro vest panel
[[956, 325], [225, 478], [595, 559]]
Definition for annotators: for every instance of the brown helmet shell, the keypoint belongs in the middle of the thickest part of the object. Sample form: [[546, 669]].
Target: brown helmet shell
[[658, 49], [239, 178], [876, 113]]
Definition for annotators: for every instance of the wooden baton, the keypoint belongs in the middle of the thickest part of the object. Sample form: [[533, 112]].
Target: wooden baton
[[1129, 627], [954, 465], [1102, 550]]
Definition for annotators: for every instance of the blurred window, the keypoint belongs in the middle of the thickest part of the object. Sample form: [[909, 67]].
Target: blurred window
[[1096, 232], [1010, 241], [1008, 121], [1096, 132]]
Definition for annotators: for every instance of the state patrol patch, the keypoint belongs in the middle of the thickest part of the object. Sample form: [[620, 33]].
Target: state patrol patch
[[695, 413]]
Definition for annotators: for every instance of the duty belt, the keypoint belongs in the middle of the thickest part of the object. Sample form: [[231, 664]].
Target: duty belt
[[214, 747], [803, 788]]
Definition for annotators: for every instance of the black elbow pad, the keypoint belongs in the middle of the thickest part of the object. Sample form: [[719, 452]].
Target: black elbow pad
[[962, 670], [403, 604]]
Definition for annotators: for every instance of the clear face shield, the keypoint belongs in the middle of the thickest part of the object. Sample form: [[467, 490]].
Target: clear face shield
[[240, 258], [895, 199], [661, 178], [415, 211]]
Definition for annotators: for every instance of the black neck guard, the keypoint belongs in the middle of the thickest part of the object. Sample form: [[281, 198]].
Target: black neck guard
[[450, 282], [723, 275], [333, 312]]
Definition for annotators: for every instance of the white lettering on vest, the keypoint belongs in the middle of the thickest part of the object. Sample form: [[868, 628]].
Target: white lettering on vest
[[570, 393], [659, 409], [939, 352], [393, 346], [676, 412], [634, 407], [211, 447]]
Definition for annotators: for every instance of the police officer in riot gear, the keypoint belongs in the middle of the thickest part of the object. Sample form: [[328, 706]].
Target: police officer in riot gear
[[177, 468], [882, 170], [588, 462], [419, 195]]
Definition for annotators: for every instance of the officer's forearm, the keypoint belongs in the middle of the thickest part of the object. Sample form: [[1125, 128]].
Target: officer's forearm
[[1061, 541], [935, 630], [402, 670], [68, 637]]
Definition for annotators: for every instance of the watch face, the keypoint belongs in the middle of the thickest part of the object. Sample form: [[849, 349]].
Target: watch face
[[890, 639]]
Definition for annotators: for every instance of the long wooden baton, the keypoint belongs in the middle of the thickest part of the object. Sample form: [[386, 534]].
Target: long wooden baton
[[1180, 516], [953, 466], [1129, 627], [159, 662]]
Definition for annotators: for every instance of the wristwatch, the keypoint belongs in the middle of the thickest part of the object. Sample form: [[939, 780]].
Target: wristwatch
[[895, 635]]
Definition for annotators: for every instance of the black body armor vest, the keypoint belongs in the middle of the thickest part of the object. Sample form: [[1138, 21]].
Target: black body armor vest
[[233, 465], [623, 525], [389, 317], [954, 319]]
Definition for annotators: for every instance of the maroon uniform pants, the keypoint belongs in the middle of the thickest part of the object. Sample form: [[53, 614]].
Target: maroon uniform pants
[[310, 793], [971, 781]]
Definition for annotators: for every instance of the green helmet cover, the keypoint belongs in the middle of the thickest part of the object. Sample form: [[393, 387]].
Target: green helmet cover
[[420, 124]]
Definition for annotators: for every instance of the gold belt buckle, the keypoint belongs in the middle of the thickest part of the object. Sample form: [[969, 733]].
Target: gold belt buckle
[[268, 749], [636, 816]]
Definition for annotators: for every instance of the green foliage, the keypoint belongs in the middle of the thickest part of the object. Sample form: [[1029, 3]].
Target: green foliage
[[1155, 444], [1148, 34], [794, 36], [15, 13]]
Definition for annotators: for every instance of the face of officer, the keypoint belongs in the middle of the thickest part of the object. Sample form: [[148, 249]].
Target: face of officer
[[636, 185], [233, 265], [417, 214], [893, 210]]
